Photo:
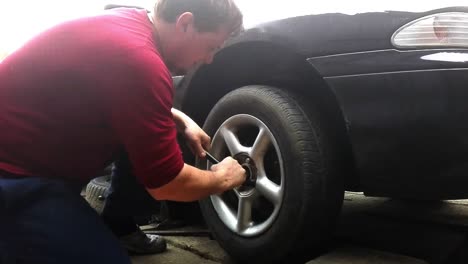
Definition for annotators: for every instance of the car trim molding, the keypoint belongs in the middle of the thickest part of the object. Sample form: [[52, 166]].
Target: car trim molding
[[393, 72]]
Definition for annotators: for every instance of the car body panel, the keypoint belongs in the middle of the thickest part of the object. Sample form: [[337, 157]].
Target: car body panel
[[404, 109], [405, 116], [262, 11], [407, 130], [336, 33]]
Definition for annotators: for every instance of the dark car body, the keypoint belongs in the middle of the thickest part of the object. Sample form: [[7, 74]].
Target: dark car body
[[405, 116], [360, 101]]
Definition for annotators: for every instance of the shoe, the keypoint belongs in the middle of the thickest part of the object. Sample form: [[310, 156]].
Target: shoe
[[141, 243]]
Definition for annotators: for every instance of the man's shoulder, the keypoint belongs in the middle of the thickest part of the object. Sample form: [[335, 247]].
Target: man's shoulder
[[122, 27], [121, 13], [125, 36], [147, 61], [142, 71]]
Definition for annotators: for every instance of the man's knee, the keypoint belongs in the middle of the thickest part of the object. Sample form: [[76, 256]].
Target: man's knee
[[58, 226]]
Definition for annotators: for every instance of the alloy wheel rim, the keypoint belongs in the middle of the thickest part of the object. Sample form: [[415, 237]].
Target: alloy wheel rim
[[250, 210]]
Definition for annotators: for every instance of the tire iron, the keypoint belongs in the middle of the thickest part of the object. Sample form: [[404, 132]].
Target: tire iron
[[211, 158]]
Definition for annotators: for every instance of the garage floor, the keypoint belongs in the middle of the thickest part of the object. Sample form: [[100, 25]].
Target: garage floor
[[371, 230], [198, 250], [190, 250]]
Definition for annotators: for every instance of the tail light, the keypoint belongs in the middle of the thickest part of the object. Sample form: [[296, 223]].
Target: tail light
[[437, 30]]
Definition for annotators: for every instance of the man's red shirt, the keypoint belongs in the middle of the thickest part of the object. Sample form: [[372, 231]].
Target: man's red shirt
[[77, 94]]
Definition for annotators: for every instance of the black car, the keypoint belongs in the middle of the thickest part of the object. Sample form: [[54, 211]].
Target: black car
[[314, 105]]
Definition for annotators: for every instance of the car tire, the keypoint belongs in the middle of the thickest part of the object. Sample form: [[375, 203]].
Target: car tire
[[304, 185], [95, 192]]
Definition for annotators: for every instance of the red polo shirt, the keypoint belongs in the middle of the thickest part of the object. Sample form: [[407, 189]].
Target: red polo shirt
[[75, 95]]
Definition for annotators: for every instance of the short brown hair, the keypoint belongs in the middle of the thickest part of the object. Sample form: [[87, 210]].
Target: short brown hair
[[209, 15]]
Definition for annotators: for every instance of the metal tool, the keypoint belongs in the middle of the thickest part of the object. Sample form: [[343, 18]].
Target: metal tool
[[246, 163], [211, 158], [178, 232]]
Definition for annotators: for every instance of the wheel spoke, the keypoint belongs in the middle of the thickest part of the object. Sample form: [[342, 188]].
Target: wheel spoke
[[237, 212], [269, 189], [232, 142], [261, 144], [244, 213], [225, 212]]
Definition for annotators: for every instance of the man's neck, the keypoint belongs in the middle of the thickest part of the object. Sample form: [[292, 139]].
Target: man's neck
[[150, 17], [159, 29], [156, 34]]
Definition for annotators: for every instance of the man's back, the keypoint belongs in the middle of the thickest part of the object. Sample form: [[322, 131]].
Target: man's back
[[56, 93]]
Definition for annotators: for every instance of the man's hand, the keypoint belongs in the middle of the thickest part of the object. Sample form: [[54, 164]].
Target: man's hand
[[229, 173], [197, 139], [193, 184]]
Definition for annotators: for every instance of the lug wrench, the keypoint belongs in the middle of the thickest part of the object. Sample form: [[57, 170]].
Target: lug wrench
[[198, 232], [211, 158], [248, 182]]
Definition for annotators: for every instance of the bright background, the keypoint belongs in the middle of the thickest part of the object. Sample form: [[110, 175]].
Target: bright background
[[22, 19]]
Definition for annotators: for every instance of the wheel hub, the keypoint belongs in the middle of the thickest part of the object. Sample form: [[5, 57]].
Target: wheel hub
[[251, 170]]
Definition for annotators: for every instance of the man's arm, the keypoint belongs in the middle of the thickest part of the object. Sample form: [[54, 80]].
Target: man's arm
[[140, 112], [193, 184], [180, 119], [197, 139]]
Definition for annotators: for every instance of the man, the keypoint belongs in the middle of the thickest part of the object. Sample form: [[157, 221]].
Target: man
[[85, 91]]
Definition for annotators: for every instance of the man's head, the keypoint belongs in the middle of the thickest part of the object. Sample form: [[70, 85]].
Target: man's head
[[191, 31]]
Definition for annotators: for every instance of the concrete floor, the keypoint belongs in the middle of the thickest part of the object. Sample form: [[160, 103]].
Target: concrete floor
[[196, 250], [173, 255], [371, 230]]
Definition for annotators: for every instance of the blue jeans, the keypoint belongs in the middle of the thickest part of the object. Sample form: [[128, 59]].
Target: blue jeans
[[46, 220]]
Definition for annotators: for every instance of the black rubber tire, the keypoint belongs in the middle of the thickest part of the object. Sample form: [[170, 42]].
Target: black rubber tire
[[313, 184], [95, 192]]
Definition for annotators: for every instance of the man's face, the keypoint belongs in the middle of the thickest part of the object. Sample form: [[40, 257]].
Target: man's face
[[198, 50], [195, 48]]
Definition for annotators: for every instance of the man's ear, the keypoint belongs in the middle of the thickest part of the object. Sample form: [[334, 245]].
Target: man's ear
[[185, 22]]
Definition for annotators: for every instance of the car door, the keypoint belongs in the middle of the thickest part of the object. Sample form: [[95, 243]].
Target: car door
[[406, 108]]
